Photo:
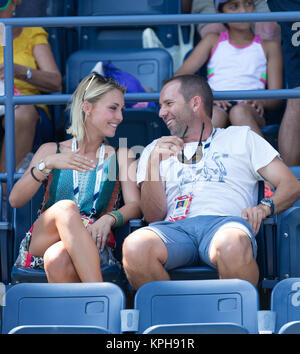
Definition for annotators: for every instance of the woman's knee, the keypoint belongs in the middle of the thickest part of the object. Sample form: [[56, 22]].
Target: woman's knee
[[65, 207], [57, 263]]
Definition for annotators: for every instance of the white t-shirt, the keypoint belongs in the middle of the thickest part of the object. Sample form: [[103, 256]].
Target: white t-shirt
[[225, 181]]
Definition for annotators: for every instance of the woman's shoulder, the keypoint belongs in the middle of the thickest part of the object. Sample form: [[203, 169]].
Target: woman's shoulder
[[53, 147]]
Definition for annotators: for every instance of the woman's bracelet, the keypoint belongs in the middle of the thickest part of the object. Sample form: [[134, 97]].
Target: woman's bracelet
[[34, 176], [119, 218]]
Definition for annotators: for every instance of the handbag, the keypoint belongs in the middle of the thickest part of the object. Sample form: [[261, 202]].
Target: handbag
[[178, 51]]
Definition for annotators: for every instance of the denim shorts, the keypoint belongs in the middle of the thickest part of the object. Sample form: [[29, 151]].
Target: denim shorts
[[188, 240]]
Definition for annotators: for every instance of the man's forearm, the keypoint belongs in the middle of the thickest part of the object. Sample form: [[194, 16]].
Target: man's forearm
[[153, 199]]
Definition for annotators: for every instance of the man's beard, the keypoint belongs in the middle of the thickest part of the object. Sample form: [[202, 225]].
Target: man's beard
[[178, 129]]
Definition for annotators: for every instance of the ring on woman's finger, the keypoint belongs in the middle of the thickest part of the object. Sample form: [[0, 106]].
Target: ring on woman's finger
[[98, 236]]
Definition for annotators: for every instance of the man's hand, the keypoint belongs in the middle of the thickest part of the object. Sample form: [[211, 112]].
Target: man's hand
[[167, 146], [255, 215]]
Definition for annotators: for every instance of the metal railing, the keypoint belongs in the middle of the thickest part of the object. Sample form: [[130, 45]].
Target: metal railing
[[9, 100]]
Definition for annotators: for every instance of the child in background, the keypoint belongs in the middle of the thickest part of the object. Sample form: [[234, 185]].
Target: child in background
[[238, 60]]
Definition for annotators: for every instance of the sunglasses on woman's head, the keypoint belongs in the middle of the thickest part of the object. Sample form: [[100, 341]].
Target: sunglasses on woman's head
[[95, 75]]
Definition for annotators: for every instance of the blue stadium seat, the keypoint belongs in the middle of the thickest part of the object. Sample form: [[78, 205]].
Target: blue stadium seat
[[231, 302], [89, 304], [285, 302], [127, 36], [287, 242], [55, 329], [138, 129], [199, 328], [296, 172], [149, 66], [285, 239], [292, 327]]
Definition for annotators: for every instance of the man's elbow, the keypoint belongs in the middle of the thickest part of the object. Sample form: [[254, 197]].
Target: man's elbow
[[153, 215]]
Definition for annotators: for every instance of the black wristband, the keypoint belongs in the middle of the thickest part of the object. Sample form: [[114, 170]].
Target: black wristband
[[34, 177]]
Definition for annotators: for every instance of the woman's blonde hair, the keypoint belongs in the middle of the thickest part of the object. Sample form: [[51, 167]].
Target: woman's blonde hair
[[90, 89]]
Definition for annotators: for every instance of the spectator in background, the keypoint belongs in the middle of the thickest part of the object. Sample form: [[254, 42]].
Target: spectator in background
[[289, 132], [237, 59], [266, 30], [35, 71]]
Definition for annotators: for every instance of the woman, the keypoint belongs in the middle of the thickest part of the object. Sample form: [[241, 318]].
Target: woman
[[82, 176], [35, 70]]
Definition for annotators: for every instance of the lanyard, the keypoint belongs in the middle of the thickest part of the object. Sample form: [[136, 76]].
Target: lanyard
[[98, 178], [192, 166]]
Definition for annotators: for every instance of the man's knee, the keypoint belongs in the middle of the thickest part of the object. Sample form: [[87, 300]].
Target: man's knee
[[231, 247], [142, 246]]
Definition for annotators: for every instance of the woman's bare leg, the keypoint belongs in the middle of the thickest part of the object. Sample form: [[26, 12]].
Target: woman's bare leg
[[62, 222], [59, 266]]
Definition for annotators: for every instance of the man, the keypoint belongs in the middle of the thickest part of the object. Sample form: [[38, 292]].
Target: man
[[215, 172]]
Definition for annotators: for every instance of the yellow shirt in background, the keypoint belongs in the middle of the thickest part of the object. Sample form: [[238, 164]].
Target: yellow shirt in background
[[23, 55]]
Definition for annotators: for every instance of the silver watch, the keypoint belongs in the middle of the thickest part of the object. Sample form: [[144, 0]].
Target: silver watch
[[28, 74], [41, 166]]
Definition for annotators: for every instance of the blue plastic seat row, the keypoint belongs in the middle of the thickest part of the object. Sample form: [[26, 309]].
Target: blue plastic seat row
[[167, 307]]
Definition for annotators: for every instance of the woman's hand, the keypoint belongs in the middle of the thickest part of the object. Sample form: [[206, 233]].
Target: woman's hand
[[69, 161], [100, 230]]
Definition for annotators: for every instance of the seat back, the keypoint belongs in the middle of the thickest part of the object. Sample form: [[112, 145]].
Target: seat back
[[138, 129], [130, 36], [290, 328], [149, 66], [296, 172], [198, 301], [285, 302], [90, 304], [129, 7]]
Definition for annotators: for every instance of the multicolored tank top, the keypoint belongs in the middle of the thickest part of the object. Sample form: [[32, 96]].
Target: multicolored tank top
[[60, 186], [237, 68]]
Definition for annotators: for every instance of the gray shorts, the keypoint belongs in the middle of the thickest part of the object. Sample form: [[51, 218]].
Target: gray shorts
[[208, 7], [188, 240]]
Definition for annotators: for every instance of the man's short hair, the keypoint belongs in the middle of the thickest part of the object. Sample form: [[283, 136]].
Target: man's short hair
[[194, 85]]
